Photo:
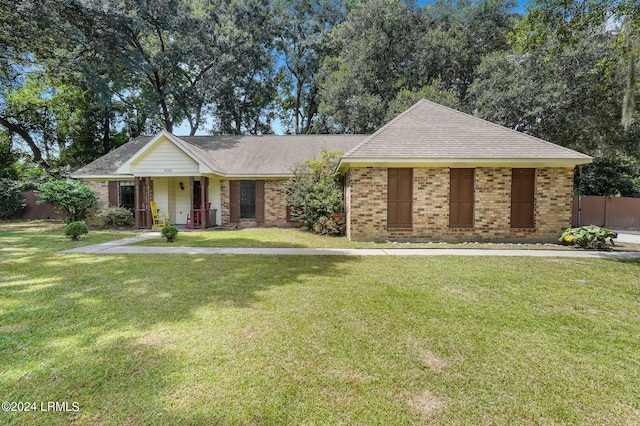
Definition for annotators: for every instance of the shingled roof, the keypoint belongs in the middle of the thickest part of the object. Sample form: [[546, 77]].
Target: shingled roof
[[429, 131], [425, 134], [233, 156]]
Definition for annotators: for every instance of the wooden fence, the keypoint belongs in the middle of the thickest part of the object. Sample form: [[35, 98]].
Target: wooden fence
[[37, 211], [610, 212]]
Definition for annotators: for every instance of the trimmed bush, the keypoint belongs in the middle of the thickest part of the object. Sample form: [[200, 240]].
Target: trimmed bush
[[70, 198], [75, 229], [11, 200], [588, 237], [115, 216], [170, 232]]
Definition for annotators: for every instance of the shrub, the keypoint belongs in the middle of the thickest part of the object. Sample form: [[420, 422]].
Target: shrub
[[75, 229], [169, 232], [334, 225], [11, 200], [315, 193], [588, 237], [115, 216], [70, 198], [614, 175]]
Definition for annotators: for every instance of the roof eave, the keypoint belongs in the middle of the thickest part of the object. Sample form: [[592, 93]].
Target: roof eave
[[102, 177], [254, 176], [345, 163]]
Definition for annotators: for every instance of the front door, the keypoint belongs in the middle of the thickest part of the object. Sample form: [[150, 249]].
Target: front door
[[197, 195]]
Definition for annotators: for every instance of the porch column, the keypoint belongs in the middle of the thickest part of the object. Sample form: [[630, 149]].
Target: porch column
[[191, 210], [142, 195], [137, 196], [204, 191], [147, 200]]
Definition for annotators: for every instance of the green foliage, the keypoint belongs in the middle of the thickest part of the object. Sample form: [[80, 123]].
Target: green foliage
[[303, 28], [335, 225], [11, 200], [8, 158], [556, 25], [74, 229], [588, 237], [557, 98], [70, 198], [374, 54], [170, 232], [114, 216], [615, 175], [434, 92], [387, 51], [315, 194]]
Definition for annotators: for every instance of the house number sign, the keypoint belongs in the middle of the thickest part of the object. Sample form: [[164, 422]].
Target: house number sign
[[168, 170]]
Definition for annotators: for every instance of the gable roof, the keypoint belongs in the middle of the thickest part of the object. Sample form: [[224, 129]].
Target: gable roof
[[230, 156], [427, 134], [431, 132], [205, 163]]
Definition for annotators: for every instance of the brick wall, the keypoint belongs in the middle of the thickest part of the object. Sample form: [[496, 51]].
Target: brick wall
[[367, 205], [275, 210], [101, 188]]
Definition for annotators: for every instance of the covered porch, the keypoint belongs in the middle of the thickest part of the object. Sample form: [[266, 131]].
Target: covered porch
[[185, 200]]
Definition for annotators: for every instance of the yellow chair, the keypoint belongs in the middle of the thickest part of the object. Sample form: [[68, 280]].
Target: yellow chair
[[158, 220]]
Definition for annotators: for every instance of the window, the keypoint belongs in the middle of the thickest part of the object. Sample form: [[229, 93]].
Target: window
[[461, 197], [246, 200], [121, 194], [522, 197], [126, 192], [399, 198]]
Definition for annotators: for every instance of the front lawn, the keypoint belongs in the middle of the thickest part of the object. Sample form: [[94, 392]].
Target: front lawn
[[297, 238], [170, 339]]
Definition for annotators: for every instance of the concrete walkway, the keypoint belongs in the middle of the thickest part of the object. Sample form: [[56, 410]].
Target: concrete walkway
[[122, 247], [632, 237]]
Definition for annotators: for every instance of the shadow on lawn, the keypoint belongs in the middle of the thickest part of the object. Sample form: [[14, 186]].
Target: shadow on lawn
[[232, 242], [84, 327]]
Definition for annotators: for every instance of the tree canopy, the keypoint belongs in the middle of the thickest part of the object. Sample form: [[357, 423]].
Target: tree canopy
[[78, 78]]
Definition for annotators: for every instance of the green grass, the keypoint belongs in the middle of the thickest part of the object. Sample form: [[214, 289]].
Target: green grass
[[175, 339], [297, 238]]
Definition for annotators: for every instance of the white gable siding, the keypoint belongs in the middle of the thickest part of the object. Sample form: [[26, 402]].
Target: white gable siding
[[164, 159]]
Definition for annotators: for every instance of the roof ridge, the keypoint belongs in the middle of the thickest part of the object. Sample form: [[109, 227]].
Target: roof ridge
[[383, 128], [503, 127]]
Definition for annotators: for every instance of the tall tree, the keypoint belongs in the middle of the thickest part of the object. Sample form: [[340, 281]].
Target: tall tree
[[457, 36], [568, 21], [375, 53], [566, 98], [149, 41], [302, 44], [386, 47]]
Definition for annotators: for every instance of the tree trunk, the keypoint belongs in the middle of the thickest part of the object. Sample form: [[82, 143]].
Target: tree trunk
[[106, 137], [24, 134], [629, 98]]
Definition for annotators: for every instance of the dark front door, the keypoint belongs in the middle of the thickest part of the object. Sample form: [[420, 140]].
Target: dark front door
[[197, 194]]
